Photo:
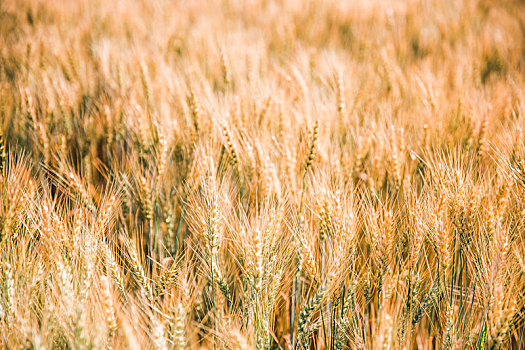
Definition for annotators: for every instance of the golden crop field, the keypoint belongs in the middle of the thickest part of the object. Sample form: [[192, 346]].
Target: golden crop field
[[262, 174]]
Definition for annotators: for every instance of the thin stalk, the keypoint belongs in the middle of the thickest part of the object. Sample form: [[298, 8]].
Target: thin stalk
[[179, 225], [324, 329], [155, 225], [481, 337], [292, 312], [211, 244], [213, 299], [453, 271], [323, 263], [297, 282], [471, 305], [460, 284], [521, 337], [334, 325]]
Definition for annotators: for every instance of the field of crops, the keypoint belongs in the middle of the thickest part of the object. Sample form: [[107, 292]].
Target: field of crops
[[262, 174]]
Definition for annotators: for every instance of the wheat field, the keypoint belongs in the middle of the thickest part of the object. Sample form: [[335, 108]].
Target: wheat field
[[262, 174]]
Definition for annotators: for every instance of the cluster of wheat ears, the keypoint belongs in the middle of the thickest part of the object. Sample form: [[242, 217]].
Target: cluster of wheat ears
[[262, 174]]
